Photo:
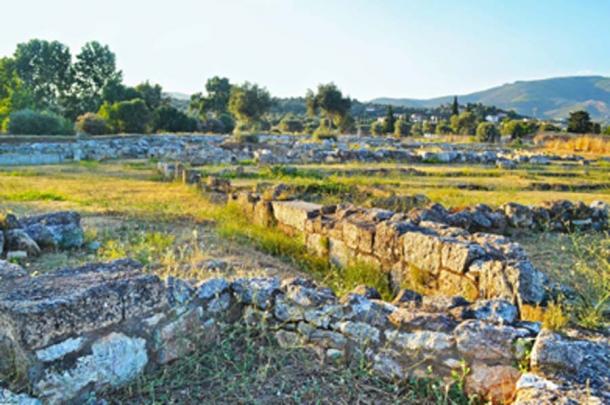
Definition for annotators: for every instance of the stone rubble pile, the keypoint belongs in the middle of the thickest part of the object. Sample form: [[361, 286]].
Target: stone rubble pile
[[271, 149], [28, 236], [72, 332], [554, 216]]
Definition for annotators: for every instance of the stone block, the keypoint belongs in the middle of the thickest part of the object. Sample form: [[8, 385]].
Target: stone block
[[295, 213]]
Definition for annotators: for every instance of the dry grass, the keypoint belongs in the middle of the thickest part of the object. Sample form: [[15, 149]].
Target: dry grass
[[590, 144]]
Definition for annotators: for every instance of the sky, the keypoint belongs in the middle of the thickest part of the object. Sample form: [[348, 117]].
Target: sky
[[382, 48]]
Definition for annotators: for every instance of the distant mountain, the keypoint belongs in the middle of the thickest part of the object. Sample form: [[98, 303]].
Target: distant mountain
[[548, 99]]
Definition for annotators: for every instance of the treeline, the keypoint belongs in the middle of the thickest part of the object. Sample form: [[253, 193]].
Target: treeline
[[45, 90]]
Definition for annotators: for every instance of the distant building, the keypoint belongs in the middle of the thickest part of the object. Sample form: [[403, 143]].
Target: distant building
[[416, 117], [495, 118]]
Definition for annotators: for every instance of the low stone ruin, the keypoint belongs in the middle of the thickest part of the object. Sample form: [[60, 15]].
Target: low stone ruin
[[271, 149], [29, 236], [72, 332]]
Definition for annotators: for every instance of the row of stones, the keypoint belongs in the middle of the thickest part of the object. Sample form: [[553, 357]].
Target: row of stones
[[93, 341], [28, 236], [198, 150], [446, 260], [556, 216]]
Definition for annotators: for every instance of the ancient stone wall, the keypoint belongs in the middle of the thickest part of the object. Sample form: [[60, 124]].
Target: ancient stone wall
[[75, 331], [431, 256], [271, 149]]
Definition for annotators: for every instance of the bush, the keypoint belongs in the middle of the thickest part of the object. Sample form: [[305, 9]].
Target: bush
[[131, 116], [487, 132], [28, 122], [170, 119], [291, 124], [92, 124], [244, 137]]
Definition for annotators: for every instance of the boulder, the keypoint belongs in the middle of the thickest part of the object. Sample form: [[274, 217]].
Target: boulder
[[18, 239], [10, 271]]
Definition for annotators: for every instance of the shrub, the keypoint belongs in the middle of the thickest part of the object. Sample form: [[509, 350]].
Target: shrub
[[130, 116], [322, 137], [168, 118], [244, 137], [487, 132], [291, 124], [28, 122], [92, 124]]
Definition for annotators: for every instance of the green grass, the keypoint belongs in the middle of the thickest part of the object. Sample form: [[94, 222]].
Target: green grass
[[33, 195]]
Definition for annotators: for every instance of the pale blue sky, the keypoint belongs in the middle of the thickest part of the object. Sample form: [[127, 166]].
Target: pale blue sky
[[416, 49]]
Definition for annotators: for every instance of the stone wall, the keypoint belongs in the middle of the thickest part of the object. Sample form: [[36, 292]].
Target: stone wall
[[76, 331], [432, 256], [271, 149]]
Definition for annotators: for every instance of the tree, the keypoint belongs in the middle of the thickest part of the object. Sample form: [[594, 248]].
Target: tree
[[579, 122], [596, 128], [94, 70], [116, 91], [131, 116], [248, 103], [330, 101], [455, 107], [45, 69], [13, 95], [389, 121], [216, 101], [607, 130], [170, 119], [151, 94], [487, 132], [377, 128], [443, 128], [428, 127], [416, 129], [402, 127], [513, 128], [464, 124]]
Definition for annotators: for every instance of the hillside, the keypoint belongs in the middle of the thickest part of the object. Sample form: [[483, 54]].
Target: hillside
[[549, 98]]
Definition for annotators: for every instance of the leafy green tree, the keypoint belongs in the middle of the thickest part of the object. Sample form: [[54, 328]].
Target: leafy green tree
[[152, 94], [94, 70], [416, 129], [248, 103], [45, 69], [389, 121], [464, 124], [513, 128], [377, 128], [216, 100], [402, 127], [596, 128], [549, 127], [170, 119], [607, 130], [579, 122], [487, 132], [330, 101], [13, 95], [131, 116], [115, 91], [443, 128], [428, 127]]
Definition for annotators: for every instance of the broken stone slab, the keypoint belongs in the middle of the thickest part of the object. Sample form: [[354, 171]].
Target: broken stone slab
[[478, 340], [45, 309], [18, 239], [295, 213], [572, 359], [10, 398]]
